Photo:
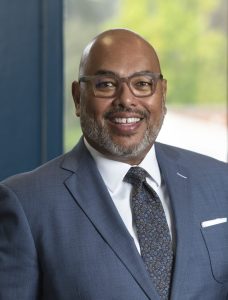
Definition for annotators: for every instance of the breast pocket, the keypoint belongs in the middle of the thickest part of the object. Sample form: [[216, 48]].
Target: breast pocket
[[216, 240]]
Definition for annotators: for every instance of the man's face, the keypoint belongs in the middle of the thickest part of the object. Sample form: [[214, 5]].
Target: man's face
[[123, 127]]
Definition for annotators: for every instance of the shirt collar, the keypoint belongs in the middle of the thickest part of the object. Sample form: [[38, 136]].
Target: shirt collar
[[113, 171]]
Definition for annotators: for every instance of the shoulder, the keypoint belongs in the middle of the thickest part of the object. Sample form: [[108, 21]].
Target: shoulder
[[191, 160], [45, 170], [52, 171]]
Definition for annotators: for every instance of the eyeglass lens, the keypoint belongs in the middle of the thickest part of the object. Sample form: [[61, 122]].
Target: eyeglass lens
[[108, 86]]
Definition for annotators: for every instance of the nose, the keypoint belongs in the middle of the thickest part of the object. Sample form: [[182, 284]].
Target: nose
[[125, 97]]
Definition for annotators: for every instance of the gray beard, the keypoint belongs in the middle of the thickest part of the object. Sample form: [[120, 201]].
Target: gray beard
[[100, 135]]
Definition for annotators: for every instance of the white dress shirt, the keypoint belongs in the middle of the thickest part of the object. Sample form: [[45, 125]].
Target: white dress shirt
[[113, 173]]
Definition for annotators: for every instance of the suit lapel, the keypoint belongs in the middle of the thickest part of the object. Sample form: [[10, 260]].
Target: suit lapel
[[97, 204], [177, 181]]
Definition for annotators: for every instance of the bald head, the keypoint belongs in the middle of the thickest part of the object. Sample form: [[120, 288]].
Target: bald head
[[117, 45]]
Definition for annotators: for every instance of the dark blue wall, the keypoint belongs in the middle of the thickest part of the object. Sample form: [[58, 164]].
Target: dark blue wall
[[30, 83]]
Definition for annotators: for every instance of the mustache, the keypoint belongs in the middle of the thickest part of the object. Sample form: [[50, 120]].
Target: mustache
[[111, 112]]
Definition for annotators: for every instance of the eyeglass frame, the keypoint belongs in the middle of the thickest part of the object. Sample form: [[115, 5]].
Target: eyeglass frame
[[90, 78]]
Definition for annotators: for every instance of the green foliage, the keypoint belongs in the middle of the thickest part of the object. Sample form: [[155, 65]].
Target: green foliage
[[192, 51]]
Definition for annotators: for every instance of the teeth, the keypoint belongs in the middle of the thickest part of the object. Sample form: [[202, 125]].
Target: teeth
[[126, 120]]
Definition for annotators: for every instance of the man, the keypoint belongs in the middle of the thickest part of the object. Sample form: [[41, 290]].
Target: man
[[78, 227]]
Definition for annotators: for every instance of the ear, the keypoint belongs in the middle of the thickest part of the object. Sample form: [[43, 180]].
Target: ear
[[164, 92], [164, 88], [76, 96]]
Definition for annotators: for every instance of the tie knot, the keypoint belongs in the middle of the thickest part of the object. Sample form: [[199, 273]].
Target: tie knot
[[136, 176]]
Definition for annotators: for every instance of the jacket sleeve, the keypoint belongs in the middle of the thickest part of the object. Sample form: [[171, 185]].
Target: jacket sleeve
[[18, 257]]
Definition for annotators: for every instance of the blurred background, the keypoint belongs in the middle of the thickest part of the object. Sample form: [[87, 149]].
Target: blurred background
[[190, 37]]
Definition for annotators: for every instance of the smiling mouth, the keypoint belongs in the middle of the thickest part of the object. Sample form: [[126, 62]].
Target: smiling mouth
[[126, 120]]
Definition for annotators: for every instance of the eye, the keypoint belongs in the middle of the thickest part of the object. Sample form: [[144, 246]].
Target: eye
[[142, 83], [105, 83]]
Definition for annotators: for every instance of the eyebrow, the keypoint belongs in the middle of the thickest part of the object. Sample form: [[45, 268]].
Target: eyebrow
[[109, 72], [105, 72]]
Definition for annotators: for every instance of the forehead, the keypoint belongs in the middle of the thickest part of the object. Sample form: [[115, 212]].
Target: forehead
[[123, 56]]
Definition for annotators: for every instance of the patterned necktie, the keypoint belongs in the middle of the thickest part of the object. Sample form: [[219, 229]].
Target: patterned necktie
[[152, 230]]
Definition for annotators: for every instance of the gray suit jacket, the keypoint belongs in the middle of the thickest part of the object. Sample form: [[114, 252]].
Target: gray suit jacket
[[61, 237]]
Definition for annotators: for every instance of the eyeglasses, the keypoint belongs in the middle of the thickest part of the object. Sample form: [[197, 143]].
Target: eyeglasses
[[142, 84]]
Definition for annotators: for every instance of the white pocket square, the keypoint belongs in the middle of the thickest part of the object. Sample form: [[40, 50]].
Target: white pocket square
[[213, 222]]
